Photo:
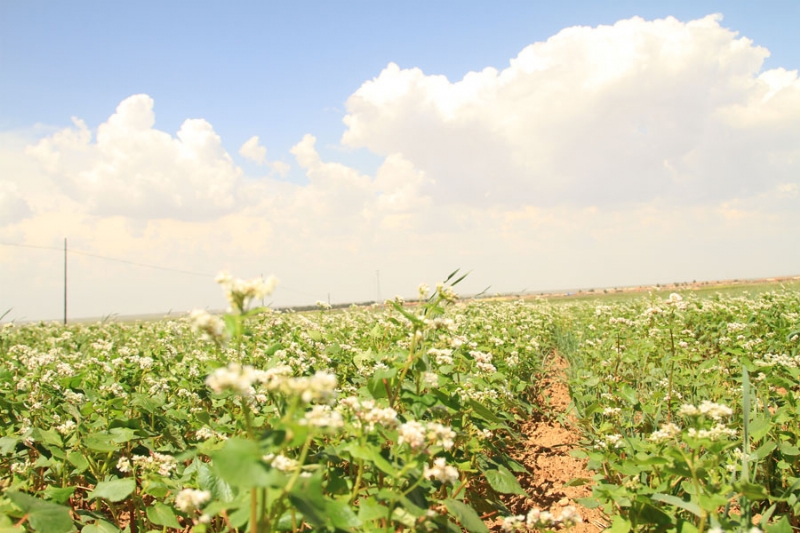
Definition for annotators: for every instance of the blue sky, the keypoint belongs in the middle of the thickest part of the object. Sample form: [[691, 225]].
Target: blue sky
[[374, 166], [282, 69]]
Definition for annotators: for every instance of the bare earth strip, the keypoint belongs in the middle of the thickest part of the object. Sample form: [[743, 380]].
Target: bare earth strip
[[545, 451]]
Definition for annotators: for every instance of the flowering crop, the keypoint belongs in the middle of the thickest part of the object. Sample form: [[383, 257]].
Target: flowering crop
[[258, 420]]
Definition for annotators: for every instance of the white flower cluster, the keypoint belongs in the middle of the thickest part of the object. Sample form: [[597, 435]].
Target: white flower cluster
[[441, 323], [187, 500], [205, 433], [483, 361], [430, 379], [446, 292], [537, 518], [418, 434], [212, 327], [676, 300], [241, 292], [66, 427], [784, 360], [718, 432], [611, 441], [234, 377], [281, 462], [442, 356], [441, 471], [710, 409], [664, 433], [322, 416], [163, 464], [736, 326], [368, 413], [240, 379]]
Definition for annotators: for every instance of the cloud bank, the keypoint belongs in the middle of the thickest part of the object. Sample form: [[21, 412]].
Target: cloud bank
[[633, 112], [583, 163]]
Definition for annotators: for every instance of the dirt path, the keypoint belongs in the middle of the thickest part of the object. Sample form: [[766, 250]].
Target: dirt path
[[545, 451]]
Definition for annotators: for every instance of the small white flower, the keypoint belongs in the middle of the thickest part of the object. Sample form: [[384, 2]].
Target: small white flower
[[187, 500], [441, 471]]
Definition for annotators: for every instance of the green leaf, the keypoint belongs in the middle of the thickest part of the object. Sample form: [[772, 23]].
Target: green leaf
[[788, 449], [503, 481], [619, 525], [577, 482], [629, 394], [751, 491], [78, 460], [764, 450], [219, 489], [677, 502], [759, 427], [483, 412], [59, 495], [369, 509], [100, 526], [239, 464], [47, 436], [781, 526], [100, 442], [162, 515], [43, 517], [466, 515], [115, 490], [8, 445], [308, 498], [341, 515], [366, 453]]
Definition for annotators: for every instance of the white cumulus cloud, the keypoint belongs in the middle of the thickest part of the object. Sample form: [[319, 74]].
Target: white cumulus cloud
[[135, 170], [253, 150], [633, 112]]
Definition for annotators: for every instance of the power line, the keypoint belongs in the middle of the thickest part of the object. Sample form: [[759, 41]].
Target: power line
[[136, 263], [114, 259]]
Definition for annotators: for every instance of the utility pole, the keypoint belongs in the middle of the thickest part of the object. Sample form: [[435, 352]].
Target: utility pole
[[65, 281], [378, 279]]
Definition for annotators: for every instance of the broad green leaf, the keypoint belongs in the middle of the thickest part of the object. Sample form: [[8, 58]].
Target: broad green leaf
[[628, 393], [100, 442], [752, 491], [367, 453], [100, 526], [341, 515], [115, 490], [239, 464], [162, 515], [308, 498], [47, 436], [466, 515], [764, 450], [78, 460], [503, 481], [219, 489], [759, 427], [369, 509], [788, 449], [781, 526], [8, 445], [677, 502], [43, 517], [619, 525], [58, 494]]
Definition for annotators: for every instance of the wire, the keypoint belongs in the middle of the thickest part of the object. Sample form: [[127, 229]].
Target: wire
[[106, 258], [135, 263]]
